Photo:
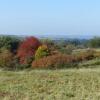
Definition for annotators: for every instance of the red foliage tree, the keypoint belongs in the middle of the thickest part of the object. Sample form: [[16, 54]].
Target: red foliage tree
[[27, 49]]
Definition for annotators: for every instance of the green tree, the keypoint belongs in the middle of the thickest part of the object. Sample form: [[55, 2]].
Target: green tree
[[94, 43], [10, 43]]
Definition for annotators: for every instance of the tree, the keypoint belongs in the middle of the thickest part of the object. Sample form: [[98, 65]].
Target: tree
[[94, 43], [27, 49], [9, 42], [41, 52]]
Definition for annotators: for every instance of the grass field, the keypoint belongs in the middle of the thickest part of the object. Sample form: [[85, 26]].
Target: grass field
[[72, 84]]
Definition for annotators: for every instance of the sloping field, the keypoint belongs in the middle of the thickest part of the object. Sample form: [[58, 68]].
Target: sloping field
[[72, 84]]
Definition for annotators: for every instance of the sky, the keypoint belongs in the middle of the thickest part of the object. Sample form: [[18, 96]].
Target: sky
[[53, 17]]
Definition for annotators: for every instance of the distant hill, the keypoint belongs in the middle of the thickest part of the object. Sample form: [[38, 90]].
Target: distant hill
[[54, 37], [57, 37]]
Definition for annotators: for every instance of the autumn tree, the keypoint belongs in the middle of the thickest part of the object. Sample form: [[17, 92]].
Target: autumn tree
[[27, 49], [41, 52]]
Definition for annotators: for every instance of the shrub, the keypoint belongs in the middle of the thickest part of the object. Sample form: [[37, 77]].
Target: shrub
[[55, 61], [6, 59], [27, 49], [85, 55], [15, 64], [68, 49], [97, 54], [41, 52], [63, 60]]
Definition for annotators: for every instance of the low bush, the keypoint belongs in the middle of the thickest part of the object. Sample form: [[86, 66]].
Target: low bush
[[9, 61], [17, 66], [97, 54], [55, 61], [86, 55], [6, 59], [63, 60]]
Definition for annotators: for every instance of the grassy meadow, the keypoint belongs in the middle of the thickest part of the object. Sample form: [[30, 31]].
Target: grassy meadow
[[35, 69], [68, 84]]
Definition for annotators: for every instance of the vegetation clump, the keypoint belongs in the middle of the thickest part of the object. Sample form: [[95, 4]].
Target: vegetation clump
[[41, 52], [22, 53], [6, 59], [54, 61], [27, 49]]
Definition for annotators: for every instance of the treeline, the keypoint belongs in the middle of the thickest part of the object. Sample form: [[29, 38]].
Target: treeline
[[20, 53], [93, 43]]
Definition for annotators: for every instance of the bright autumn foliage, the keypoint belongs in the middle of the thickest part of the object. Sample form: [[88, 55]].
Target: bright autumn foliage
[[27, 49], [41, 52]]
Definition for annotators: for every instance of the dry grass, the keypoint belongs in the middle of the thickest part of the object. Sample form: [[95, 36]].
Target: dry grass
[[72, 84]]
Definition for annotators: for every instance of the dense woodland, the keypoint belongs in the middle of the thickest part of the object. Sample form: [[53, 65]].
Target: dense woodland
[[17, 53]]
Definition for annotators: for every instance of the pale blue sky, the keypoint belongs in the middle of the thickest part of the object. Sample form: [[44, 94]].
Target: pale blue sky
[[70, 17]]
